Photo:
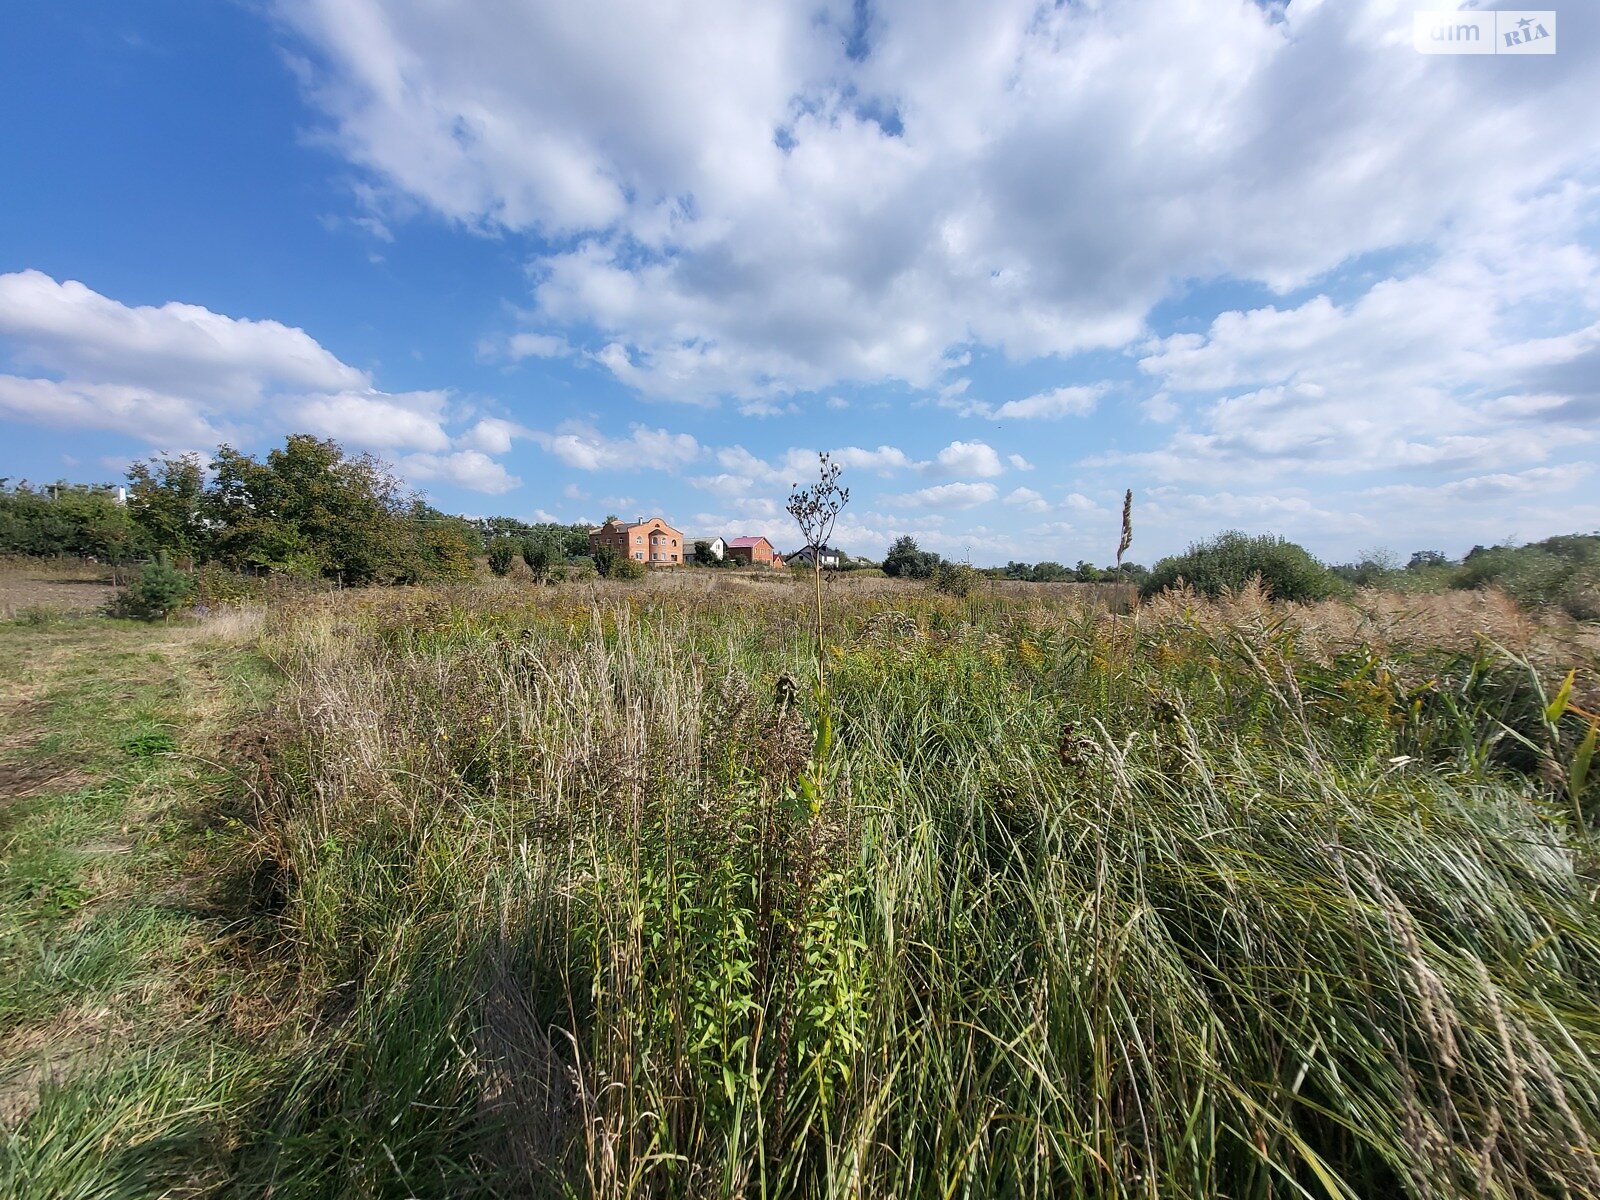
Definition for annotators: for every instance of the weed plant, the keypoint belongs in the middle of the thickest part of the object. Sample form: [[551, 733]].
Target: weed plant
[[584, 896]]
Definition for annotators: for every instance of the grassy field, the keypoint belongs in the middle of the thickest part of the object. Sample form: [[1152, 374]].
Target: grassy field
[[592, 891]]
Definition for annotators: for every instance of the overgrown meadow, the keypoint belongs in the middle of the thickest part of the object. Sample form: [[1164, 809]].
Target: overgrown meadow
[[595, 891]]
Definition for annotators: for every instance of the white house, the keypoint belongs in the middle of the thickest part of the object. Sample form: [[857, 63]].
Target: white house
[[719, 546], [826, 555]]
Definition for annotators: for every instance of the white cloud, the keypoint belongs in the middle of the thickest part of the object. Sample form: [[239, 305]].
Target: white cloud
[[885, 460], [536, 345], [1028, 500], [178, 375], [949, 495], [492, 435], [1051, 406], [587, 449], [175, 349], [375, 420], [1018, 463], [965, 458], [768, 408], [465, 468], [742, 207], [1478, 489], [161, 420]]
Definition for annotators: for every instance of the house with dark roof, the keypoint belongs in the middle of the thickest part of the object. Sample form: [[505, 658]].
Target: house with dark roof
[[826, 555]]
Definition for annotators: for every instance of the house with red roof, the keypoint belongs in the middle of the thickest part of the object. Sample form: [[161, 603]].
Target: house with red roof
[[753, 551]]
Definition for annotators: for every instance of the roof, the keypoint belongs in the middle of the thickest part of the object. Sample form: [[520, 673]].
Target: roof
[[742, 542], [621, 524]]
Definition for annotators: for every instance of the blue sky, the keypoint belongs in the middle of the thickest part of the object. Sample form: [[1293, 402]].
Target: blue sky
[[1265, 264]]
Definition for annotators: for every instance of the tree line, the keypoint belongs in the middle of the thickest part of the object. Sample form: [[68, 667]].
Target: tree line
[[906, 560], [307, 509]]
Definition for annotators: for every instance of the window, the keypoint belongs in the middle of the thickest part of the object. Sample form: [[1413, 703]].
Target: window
[[639, 554], [638, 541]]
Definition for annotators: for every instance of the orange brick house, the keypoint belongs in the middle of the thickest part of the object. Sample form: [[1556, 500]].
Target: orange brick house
[[652, 542], [753, 551]]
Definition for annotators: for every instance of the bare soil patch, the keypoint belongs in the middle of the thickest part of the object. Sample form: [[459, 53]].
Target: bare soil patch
[[67, 589]]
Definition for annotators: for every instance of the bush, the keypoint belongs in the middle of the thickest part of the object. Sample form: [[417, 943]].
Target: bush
[[1559, 572], [502, 556], [160, 591], [626, 568], [541, 554], [215, 584], [906, 561], [955, 579], [1232, 559]]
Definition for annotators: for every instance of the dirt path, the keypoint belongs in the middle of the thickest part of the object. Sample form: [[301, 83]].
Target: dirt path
[[112, 988]]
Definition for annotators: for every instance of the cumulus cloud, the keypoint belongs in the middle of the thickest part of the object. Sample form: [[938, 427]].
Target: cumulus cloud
[[1049, 406], [466, 468], [587, 449], [949, 495], [378, 421], [758, 200], [491, 435], [966, 458], [175, 349], [1028, 500], [179, 375]]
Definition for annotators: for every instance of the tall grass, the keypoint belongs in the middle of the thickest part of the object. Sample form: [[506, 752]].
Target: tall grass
[[585, 897]]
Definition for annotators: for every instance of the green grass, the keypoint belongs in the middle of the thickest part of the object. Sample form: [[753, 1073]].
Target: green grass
[[1037, 902], [589, 891], [116, 1072]]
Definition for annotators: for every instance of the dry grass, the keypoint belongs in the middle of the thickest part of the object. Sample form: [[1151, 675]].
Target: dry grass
[[588, 893]]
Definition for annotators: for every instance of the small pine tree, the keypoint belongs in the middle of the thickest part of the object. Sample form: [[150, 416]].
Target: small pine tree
[[160, 591]]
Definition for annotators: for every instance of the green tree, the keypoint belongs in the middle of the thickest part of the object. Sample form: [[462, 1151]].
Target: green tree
[[605, 558], [62, 519], [502, 555], [159, 591], [1232, 559], [542, 555], [906, 561], [167, 501], [309, 509]]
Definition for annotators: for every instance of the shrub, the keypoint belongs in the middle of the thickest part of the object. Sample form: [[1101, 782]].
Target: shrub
[[1559, 572], [541, 555], [1232, 559], [955, 579], [502, 556], [216, 584], [906, 561], [627, 569], [160, 591]]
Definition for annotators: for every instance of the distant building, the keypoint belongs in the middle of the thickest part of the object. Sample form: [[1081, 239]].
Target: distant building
[[649, 541], [753, 551], [826, 555], [717, 546]]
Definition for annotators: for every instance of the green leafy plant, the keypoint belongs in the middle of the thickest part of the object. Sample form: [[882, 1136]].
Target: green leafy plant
[[1231, 560], [502, 556], [159, 591]]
